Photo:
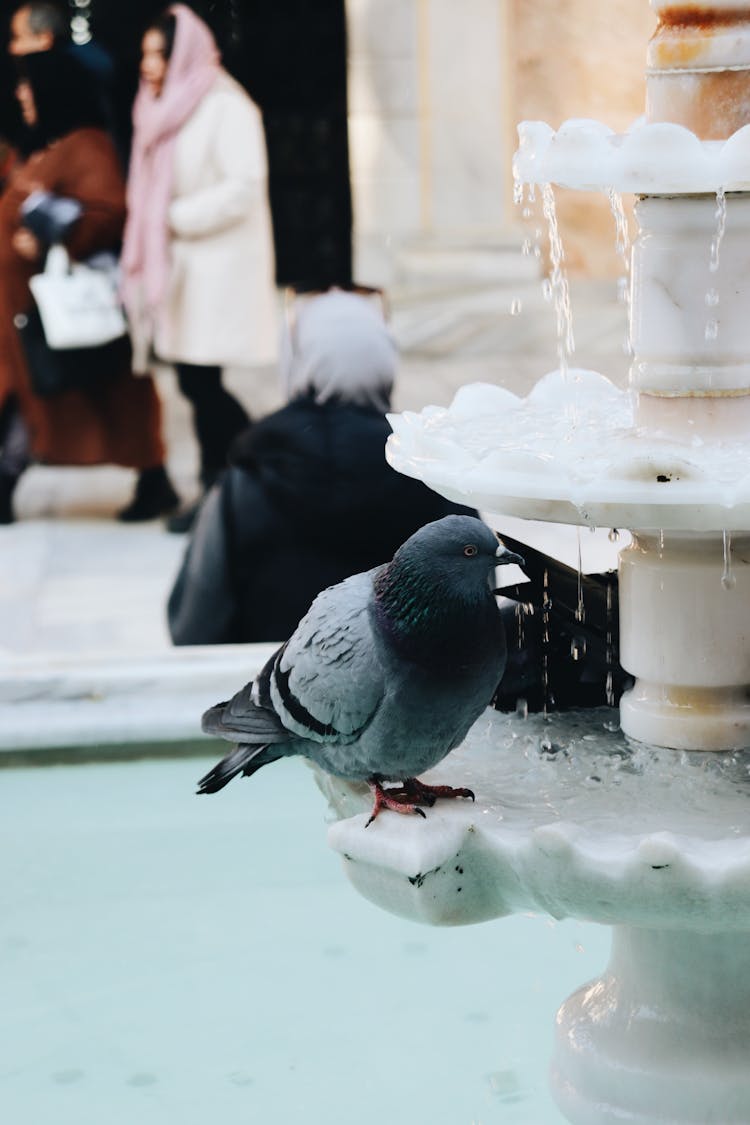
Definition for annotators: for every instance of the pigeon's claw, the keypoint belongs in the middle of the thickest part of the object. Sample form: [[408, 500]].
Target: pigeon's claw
[[397, 800], [423, 794], [408, 797]]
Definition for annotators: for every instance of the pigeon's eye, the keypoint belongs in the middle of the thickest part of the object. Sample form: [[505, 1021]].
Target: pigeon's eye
[[470, 550]]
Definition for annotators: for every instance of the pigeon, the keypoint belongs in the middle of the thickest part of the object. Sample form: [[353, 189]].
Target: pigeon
[[384, 675]]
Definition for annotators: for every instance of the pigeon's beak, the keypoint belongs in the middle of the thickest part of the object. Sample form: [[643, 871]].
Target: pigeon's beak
[[503, 556]]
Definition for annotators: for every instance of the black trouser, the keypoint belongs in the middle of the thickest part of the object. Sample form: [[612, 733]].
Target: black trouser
[[15, 452], [217, 415]]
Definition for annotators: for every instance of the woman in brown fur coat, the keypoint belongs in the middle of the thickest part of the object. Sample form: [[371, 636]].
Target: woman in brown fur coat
[[117, 420]]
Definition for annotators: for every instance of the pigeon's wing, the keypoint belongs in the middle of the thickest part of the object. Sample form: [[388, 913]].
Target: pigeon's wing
[[326, 683], [249, 716]]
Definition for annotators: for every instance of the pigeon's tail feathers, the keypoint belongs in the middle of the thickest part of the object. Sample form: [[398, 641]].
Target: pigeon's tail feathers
[[243, 759]]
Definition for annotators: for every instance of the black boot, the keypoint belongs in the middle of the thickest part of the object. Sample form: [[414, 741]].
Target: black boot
[[154, 496], [7, 488]]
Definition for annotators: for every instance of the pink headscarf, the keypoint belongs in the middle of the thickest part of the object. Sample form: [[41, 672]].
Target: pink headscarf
[[192, 70]]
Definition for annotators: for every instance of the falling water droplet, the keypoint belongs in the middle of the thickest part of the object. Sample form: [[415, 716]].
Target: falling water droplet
[[580, 610], [522, 708], [515, 307], [527, 213], [622, 234], [623, 290], [519, 191], [578, 648], [546, 607], [560, 288], [520, 630], [712, 330], [526, 247], [547, 289], [614, 535], [728, 579], [711, 298], [720, 214], [609, 652]]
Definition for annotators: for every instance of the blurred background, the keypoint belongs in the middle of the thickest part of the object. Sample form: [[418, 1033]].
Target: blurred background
[[391, 124]]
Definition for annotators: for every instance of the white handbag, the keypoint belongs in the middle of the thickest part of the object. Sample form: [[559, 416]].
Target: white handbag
[[79, 306]]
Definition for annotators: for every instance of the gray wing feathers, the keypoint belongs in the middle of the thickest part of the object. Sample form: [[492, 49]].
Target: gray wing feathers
[[328, 670]]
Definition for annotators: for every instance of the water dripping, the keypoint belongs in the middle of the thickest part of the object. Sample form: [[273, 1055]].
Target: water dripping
[[546, 607], [614, 535], [577, 648], [520, 631], [559, 281], [526, 247], [580, 610], [609, 650], [515, 307], [728, 579], [661, 541], [711, 298], [622, 234], [519, 191], [622, 246], [711, 331], [720, 214], [522, 708]]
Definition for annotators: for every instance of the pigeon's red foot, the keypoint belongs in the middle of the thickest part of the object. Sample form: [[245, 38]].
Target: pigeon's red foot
[[408, 797]]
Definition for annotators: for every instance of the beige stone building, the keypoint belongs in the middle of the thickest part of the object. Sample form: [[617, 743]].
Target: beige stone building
[[436, 88]]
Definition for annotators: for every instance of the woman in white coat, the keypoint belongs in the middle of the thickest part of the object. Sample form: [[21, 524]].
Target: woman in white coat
[[198, 251]]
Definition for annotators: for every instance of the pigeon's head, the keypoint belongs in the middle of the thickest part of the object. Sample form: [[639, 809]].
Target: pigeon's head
[[460, 551]]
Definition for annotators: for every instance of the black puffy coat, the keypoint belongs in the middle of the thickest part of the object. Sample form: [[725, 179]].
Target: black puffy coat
[[309, 500]]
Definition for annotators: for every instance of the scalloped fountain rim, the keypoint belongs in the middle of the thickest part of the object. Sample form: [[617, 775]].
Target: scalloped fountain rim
[[675, 847], [570, 452], [658, 158]]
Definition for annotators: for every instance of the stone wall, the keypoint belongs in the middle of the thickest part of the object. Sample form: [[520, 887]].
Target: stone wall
[[581, 58]]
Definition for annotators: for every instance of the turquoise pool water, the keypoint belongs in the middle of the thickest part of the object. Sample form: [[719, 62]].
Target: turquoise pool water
[[174, 960]]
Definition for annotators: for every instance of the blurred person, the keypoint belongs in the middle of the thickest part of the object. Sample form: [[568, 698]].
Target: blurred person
[[308, 498], [40, 25], [198, 251], [43, 25], [37, 26], [116, 420]]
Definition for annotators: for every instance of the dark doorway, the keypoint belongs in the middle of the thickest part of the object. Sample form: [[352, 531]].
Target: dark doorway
[[291, 57]]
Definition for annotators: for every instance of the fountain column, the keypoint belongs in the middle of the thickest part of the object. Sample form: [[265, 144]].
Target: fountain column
[[685, 629], [661, 1035]]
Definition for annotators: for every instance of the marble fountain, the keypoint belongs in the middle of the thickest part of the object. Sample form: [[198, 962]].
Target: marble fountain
[[639, 821]]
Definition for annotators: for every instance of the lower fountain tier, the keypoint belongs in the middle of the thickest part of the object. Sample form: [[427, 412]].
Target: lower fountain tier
[[572, 820]]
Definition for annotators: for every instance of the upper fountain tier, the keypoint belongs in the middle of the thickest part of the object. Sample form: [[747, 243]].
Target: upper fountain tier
[[570, 452], [654, 158], [694, 138]]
